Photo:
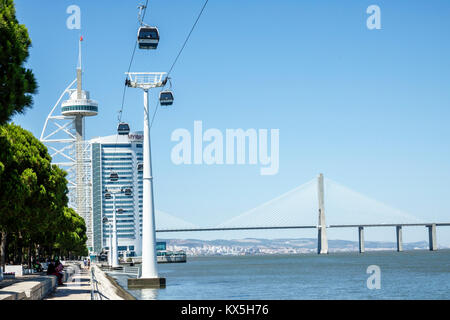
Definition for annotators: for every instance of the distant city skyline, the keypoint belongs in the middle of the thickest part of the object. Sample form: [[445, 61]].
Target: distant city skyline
[[368, 108], [251, 246]]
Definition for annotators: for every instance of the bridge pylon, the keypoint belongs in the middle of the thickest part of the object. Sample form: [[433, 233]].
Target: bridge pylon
[[322, 240]]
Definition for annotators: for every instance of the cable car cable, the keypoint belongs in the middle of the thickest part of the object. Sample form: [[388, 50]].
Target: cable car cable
[[140, 18], [144, 10], [187, 38], [178, 55]]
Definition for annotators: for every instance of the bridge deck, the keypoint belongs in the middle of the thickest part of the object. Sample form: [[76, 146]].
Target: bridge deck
[[307, 227]]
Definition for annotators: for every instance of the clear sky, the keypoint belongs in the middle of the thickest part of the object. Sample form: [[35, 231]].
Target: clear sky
[[368, 108]]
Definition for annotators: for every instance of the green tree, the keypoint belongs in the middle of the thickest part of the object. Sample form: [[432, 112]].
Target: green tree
[[19, 153], [72, 237], [33, 192], [17, 83], [44, 209]]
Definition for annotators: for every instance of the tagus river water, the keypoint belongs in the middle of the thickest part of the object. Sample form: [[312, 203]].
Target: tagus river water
[[404, 275]]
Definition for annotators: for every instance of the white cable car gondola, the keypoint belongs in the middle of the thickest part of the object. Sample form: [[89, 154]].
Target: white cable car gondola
[[120, 211], [107, 195], [123, 128], [166, 98], [148, 37]]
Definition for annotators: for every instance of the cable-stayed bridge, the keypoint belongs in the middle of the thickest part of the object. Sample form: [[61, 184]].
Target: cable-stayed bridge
[[320, 204]]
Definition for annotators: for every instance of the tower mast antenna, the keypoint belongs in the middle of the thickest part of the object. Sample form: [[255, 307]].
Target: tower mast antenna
[[79, 71], [79, 52]]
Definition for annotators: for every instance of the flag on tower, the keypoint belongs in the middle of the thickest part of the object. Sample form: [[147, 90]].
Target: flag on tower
[[81, 38]]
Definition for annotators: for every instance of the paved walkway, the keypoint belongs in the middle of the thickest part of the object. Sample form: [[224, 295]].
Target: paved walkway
[[78, 287], [9, 282]]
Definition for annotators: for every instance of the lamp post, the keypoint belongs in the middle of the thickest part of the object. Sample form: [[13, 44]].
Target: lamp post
[[149, 276], [107, 223], [111, 193]]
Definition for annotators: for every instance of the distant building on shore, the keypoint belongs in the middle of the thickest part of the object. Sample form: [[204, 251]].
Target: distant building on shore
[[121, 153]]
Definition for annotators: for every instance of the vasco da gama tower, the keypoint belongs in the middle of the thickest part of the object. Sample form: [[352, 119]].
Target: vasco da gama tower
[[64, 136]]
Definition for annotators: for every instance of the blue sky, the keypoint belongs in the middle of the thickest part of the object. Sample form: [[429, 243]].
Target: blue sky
[[368, 108]]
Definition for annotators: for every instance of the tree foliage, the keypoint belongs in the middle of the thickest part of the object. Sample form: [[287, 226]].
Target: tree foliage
[[17, 83], [34, 218], [72, 237], [33, 197]]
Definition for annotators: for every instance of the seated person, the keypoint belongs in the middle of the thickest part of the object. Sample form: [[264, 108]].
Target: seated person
[[59, 268], [53, 270], [38, 267]]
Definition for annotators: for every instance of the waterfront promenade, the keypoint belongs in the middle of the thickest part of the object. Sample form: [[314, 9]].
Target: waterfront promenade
[[80, 283], [77, 287], [40, 286]]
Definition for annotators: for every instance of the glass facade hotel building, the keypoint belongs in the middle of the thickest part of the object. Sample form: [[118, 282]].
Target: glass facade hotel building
[[123, 154]]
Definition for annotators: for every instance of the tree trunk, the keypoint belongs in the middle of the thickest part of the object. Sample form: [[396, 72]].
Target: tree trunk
[[29, 255], [16, 250], [4, 235], [37, 252], [20, 248]]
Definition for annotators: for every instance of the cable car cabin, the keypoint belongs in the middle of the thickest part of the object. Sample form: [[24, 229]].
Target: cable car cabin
[[123, 128], [148, 37], [140, 167], [127, 191], [166, 98], [120, 211], [114, 177], [108, 196]]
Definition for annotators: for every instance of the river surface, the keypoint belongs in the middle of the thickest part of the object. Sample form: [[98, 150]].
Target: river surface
[[417, 274]]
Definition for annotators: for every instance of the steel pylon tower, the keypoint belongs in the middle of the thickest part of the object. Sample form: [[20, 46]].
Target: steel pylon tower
[[147, 81], [64, 135]]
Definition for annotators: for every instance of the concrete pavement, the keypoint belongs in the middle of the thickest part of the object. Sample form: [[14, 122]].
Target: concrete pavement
[[34, 287], [77, 287]]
